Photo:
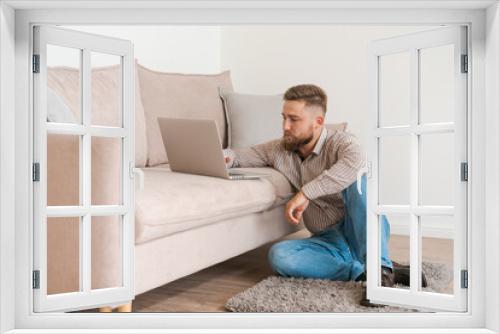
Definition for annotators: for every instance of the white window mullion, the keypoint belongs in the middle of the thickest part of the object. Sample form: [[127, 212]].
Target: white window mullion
[[76, 129], [95, 210], [65, 128], [418, 129], [418, 210], [372, 228], [128, 151], [434, 210], [85, 236], [43, 250], [414, 179], [435, 128]]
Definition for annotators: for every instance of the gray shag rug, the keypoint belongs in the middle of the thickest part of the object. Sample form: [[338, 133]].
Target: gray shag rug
[[282, 294]]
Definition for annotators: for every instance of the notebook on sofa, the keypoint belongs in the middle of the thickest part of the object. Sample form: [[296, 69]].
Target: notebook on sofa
[[194, 147]]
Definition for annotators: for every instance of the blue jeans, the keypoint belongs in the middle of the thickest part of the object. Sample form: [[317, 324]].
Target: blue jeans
[[336, 253]]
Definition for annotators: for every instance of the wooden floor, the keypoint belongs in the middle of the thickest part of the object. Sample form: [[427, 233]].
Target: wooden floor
[[209, 289]]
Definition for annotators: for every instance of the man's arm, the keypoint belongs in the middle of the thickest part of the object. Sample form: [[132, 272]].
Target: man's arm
[[255, 156], [341, 174], [296, 207]]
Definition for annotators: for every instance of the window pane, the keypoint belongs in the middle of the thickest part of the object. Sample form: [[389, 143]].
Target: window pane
[[436, 167], [398, 239], [106, 251], [106, 89], [63, 84], [394, 89], [394, 170], [437, 84], [63, 169], [63, 254], [106, 171], [437, 252]]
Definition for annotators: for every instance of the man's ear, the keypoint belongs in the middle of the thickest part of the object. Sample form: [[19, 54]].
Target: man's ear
[[320, 120]]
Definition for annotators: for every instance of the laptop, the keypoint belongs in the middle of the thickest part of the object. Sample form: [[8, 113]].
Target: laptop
[[194, 147]]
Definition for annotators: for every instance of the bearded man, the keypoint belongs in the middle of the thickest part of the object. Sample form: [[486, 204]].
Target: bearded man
[[322, 166]]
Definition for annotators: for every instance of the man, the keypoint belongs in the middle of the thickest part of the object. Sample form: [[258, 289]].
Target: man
[[323, 167]]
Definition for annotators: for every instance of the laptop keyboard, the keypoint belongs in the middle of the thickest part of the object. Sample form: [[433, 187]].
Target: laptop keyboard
[[236, 176]]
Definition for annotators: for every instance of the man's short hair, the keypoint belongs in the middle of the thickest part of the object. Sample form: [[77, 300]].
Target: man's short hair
[[311, 94]]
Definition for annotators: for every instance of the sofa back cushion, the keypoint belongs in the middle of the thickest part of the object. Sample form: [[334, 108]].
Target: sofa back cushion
[[178, 95], [65, 83]]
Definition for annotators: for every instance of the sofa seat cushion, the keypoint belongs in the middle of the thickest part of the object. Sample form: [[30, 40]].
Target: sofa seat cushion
[[175, 202]]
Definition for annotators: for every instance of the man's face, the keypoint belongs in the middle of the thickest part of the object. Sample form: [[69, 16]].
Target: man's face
[[298, 124]]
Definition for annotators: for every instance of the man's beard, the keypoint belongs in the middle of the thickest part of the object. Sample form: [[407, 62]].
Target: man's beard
[[294, 143]]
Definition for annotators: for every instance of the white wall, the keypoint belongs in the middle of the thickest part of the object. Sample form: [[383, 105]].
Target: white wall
[[184, 49], [269, 59]]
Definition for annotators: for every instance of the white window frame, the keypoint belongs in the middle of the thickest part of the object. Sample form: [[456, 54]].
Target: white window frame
[[484, 121], [85, 44], [412, 44]]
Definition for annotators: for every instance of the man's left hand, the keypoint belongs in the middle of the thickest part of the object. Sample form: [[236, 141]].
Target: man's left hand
[[295, 207]]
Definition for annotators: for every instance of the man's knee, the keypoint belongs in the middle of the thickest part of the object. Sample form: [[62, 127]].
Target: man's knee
[[287, 258], [279, 256]]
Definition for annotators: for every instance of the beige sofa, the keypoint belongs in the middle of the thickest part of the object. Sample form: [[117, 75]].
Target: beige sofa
[[183, 223]]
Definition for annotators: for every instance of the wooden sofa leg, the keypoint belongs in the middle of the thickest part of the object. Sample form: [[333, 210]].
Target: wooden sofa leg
[[106, 309], [125, 308]]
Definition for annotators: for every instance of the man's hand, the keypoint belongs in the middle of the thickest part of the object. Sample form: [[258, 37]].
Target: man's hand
[[295, 207], [228, 159]]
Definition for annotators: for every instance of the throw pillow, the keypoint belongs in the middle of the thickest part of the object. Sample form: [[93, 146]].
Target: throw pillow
[[252, 119], [57, 110], [178, 95]]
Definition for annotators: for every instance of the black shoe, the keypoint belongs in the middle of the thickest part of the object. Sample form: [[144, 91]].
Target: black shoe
[[402, 274], [386, 277], [361, 277], [387, 280]]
